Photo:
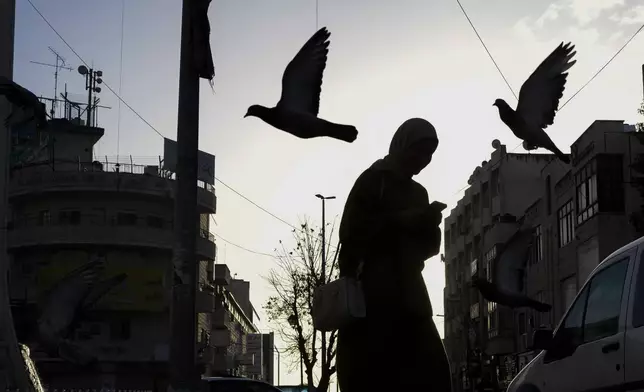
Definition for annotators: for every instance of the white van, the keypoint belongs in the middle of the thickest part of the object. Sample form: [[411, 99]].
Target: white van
[[599, 343]]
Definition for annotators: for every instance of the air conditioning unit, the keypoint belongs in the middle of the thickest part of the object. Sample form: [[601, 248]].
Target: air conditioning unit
[[151, 171]]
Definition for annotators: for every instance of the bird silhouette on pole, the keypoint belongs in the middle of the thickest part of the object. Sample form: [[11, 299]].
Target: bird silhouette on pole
[[297, 110], [507, 274], [539, 101]]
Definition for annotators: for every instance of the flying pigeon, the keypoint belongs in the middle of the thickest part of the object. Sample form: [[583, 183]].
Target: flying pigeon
[[25, 100], [507, 274], [297, 110], [64, 305], [539, 101]]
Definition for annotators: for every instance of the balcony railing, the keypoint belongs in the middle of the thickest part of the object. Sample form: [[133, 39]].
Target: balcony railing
[[106, 165]]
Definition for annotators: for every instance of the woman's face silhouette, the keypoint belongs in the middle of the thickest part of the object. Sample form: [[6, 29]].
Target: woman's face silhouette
[[419, 155]]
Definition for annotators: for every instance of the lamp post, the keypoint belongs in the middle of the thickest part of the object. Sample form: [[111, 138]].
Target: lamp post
[[324, 199]]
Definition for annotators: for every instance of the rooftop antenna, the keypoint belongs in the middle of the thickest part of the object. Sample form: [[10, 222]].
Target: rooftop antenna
[[60, 64]]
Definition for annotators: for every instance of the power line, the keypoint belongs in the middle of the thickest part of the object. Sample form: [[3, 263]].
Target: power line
[[242, 247], [486, 49], [88, 66], [602, 68]]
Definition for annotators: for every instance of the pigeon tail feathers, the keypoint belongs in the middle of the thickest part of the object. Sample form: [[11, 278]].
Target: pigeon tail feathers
[[347, 133]]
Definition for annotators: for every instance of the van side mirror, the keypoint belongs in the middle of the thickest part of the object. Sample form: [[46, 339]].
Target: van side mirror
[[542, 339]]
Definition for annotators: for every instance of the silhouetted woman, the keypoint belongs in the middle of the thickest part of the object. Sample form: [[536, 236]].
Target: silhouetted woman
[[389, 224]]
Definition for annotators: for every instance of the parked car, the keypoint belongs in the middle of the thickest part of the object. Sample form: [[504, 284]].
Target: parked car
[[599, 343], [235, 384]]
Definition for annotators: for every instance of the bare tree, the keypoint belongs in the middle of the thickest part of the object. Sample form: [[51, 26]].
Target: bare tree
[[294, 280]]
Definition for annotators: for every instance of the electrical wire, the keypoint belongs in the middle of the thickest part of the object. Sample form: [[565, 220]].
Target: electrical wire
[[118, 124], [604, 66], [486, 49], [242, 247], [88, 66]]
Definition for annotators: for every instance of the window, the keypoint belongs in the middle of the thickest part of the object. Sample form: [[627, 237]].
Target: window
[[492, 316], [474, 310], [120, 330], [537, 246], [447, 239], [476, 205], [474, 268], [477, 246], [638, 305], [485, 195], [459, 223], [69, 217], [521, 323], [98, 216], [604, 302], [44, 218], [610, 180], [571, 329], [548, 196], [568, 291], [155, 221], [126, 219], [489, 262], [494, 182], [468, 214], [566, 226], [586, 181], [453, 232]]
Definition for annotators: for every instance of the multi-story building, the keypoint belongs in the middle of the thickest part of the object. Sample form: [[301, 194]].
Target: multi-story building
[[580, 213], [67, 208], [584, 213], [500, 188]]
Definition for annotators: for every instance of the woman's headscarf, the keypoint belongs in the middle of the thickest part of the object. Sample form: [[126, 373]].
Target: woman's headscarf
[[410, 132]]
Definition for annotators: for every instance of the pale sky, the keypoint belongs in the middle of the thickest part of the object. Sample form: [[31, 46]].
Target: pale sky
[[388, 61]]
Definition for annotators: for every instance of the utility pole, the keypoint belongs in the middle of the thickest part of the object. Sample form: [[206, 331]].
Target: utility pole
[[324, 199], [13, 372], [183, 370]]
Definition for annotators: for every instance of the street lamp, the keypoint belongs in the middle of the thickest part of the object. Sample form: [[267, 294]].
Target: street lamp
[[292, 319], [324, 199]]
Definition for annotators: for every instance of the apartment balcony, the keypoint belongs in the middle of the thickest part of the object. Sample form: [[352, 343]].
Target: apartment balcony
[[150, 181], [220, 318], [205, 300], [91, 231]]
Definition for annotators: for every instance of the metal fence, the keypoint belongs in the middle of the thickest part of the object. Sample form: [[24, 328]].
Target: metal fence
[[111, 165]]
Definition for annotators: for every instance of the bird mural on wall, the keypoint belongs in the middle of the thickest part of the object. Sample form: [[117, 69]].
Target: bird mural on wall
[[507, 277], [539, 101], [297, 110], [24, 99], [64, 305]]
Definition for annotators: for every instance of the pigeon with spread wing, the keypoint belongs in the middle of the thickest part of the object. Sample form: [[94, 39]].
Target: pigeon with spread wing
[[539, 101], [24, 99], [297, 110], [63, 307], [508, 267]]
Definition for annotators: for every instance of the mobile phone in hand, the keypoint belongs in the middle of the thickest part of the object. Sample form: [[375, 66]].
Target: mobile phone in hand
[[438, 206]]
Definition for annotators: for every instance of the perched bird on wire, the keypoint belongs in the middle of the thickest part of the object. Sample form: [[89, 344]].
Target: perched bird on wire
[[24, 99], [507, 274], [297, 110], [539, 101]]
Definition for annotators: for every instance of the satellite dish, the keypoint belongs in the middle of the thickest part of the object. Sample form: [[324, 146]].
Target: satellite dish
[[469, 181], [83, 70], [99, 73], [99, 80], [483, 163], [496, 143]]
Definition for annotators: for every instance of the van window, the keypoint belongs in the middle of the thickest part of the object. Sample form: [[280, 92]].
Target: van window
[[571, 331], [604, 302], [638, 303]]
